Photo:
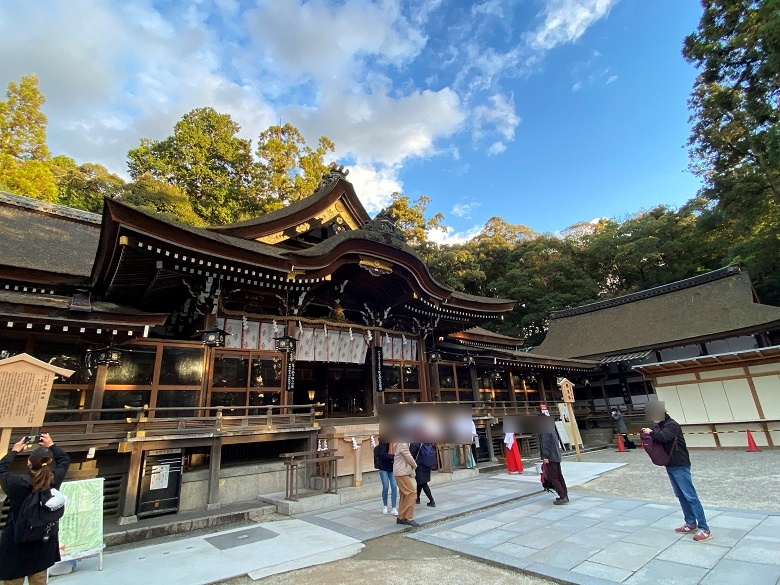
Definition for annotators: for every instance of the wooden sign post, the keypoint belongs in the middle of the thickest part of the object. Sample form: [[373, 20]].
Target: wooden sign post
[[567, 388], [25, 386]]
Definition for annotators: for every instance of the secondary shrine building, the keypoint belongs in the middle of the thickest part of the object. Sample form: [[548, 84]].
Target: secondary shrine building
[[213, 351]]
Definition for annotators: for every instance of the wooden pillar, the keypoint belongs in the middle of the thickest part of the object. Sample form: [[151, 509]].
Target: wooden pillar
[[542, 389], [475, 383], [215, 463], [98, 390], [489, 435], [512, 396], [130, 503]]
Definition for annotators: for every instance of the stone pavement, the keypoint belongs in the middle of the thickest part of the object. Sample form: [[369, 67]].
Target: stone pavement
[[268, 548], [364, 520], [599, 540]]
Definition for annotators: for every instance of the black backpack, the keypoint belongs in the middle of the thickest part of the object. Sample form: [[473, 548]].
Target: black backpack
[[377, 458], [35, 522]]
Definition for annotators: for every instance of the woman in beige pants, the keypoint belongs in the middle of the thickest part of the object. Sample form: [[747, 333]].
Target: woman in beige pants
[[404, 467]]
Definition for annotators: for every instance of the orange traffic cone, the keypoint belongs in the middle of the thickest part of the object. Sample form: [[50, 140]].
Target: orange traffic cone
[[621, 446], [752, 448]]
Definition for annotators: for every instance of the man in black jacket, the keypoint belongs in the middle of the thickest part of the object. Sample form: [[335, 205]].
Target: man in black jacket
[[668, 432], [550, 452]]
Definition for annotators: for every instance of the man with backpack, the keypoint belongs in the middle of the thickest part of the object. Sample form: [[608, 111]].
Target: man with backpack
[[675, 457]]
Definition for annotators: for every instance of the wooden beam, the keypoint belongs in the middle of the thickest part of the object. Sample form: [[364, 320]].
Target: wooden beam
[[133, 486], [215, 463]]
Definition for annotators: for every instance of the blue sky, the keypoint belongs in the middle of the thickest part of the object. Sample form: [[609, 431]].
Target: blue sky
[[543, 112]]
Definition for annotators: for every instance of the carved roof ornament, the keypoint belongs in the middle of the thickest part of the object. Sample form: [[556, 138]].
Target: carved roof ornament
[[335, 173], [375, 267], [385, 229]]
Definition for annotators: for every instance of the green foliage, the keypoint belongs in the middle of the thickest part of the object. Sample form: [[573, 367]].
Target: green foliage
[[205, 159], [32, 178], [160, 198], [22, 123], [289, 169], [411, 219], [735, 140], [85, 186]]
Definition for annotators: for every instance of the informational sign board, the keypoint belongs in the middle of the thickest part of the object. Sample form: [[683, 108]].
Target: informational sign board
[[379, 365], [159, 477], [25, 386], [81, 528], [291, 371]]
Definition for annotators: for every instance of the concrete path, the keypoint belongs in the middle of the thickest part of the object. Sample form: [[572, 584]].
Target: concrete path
[[259, 551], [599, 540]]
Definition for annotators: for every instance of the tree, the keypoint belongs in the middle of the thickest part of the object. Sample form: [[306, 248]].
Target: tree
[[289, 169], [85, 186], [735, 141], [205, 159], [32, 178], [22, 123], [160, 198], [736, 98], [411, 219]]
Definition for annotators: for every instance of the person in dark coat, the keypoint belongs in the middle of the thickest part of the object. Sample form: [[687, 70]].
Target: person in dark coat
[[550, 452], [422, 474], [620, 425], [668, 432], [47, 466]]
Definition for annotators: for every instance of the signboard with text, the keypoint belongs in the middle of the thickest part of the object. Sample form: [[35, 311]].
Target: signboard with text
[[25, 386], [379, 365]]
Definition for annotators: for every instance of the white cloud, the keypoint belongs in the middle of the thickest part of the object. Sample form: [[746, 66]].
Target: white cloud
[[115, 72], [496, 148], [612, 79], [374, 187], [577, 86], [452, 237], [498, 114], [464, 209], [565, 21]]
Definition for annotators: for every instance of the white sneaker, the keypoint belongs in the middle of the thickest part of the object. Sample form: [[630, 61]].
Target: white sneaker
[[394, 512], [384, 510]]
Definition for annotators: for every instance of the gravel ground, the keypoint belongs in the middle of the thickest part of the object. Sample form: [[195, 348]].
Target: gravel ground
[[729, 479], [396, 560]]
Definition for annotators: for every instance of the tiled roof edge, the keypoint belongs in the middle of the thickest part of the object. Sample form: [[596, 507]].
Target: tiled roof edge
[[651, 292], [49, 208]]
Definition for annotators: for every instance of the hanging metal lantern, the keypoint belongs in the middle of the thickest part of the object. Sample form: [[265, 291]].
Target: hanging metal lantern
[[214, 337], [468, 360], [107, 356], [285, 343], [434, 355]]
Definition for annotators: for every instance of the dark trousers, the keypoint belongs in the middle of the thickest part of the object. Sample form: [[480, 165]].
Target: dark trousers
[[424, 487], [555, 476], [628, 443]]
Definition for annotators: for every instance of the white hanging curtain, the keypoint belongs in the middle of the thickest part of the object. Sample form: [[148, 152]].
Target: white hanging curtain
[[387, 347], [398, 349], [407, 347], [357, 353], [251, 335], [234, 331], [320, 346], [345, 345], [332, 344], [267, 341], [305, 349]]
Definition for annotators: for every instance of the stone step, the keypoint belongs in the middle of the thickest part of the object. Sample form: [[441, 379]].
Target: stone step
[[160, 526]]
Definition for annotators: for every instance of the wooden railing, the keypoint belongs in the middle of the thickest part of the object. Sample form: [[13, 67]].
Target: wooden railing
[[86, 427]]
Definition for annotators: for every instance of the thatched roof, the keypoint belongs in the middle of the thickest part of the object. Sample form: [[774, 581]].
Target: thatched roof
[[715, 305], [41, 236]]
